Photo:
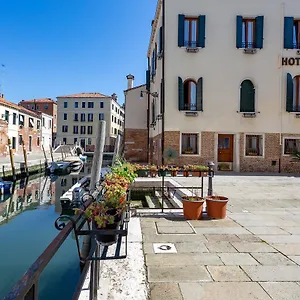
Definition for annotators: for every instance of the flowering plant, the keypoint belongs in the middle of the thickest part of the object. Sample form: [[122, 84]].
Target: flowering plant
[[140, 167], [198, 168], [152, 167], [163, 168]]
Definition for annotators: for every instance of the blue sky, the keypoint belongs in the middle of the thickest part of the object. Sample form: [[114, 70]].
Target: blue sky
[[58, 47]]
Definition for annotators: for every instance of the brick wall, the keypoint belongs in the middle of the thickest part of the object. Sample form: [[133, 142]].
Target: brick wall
[[3, 138], [136, 145], [287, 164], [26, 132]]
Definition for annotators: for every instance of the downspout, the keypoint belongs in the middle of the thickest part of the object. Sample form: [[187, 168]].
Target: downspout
[[148, 120], [163, 83], [280, 82]]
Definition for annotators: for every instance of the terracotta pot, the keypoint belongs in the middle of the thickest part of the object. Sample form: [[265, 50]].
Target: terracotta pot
[[153, 173], [186, 173], [216, 206], [174, 173], [192, 210], [204, 174], [196, 173]]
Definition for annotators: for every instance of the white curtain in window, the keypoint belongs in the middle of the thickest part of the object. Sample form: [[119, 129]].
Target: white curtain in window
[[194, 31], [193, 95], [186, 30], [31, 123], [250, 32]]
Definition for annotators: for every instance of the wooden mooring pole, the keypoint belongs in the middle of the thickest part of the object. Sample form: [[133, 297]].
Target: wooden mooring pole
[[51, 153], [11, 156], [46, 160], [25, 159]]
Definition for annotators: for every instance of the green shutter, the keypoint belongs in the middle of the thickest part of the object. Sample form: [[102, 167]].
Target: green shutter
[[162, 106], [180, 94], [181, 30], [155, 54], [247, 97], [288, 32], [200, 94], [148, 80], [201, 32], [161, 47], [289, 93], [259, 32], [239, 32]]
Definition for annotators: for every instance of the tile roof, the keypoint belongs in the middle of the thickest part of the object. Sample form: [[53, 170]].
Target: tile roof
[[85, 95], [40, 100], [135, 87]]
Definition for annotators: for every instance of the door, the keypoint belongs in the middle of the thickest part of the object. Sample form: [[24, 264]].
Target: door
[[225, 148], [30, 144], [82, 144]]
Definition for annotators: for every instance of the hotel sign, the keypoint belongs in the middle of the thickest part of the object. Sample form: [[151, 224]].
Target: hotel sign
[[291, 61]]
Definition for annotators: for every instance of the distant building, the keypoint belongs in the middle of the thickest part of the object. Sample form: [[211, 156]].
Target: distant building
[[136, 133], [79, 115], [46, 106]]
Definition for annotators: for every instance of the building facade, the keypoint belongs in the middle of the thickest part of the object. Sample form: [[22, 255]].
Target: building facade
[[79, 115], [136, 128], [46, 106], [20, 125], [229, 96], [46, 130]]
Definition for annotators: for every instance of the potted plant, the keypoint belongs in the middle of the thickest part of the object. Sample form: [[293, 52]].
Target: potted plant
[[216, 206], [174, 171], [162, 170], [192, 207], [153, 170], [141, 170], [186, 170], [224, 167], [197, 170]]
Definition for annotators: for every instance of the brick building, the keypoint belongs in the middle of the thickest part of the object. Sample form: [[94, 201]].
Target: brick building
[[230, 96], [46, 106]]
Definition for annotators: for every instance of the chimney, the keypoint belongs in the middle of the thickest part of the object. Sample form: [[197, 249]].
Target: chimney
[[130, 79], [1, 95], [114, 97]]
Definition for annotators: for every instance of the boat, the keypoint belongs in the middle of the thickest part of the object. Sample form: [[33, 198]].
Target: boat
[[5, 187], [83, 157], [64, 167], [76, 165]]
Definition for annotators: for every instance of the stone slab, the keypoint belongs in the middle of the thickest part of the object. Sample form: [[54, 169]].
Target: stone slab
[[223, 291], [183, 259], [175, 230], [191, 247], [178, 274], [222, 237], [283, 239], [165, 291], [273, 273], [221, 230], [217, 247], [173, 238], [148, 248], [248, 238], [267, 230], [272, 259], [236, 259], [227, 273], [295, 258], [288, 249], [282, 290], [253, 247], [167, 223], [214, 223], [292, 230]]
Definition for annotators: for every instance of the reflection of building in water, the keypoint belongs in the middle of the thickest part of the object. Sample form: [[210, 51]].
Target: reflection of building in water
[[26, 195]]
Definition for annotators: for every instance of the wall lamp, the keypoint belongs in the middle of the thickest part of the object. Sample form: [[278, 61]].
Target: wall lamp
[[154, 95]]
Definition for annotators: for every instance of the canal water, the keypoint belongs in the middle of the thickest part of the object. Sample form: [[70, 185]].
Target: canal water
[[27, 228]]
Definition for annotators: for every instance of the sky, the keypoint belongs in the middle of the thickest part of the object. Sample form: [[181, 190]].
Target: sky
[[52, 48]]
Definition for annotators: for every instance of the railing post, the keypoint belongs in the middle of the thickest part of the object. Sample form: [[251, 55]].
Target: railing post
[[210, 177]]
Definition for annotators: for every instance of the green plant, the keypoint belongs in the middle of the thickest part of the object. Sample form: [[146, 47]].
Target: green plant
[[199, 168], [124, 169], [223, 166]]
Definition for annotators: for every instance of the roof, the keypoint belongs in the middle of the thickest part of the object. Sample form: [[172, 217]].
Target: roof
[[40, 100], [135, 87], [85, 95]]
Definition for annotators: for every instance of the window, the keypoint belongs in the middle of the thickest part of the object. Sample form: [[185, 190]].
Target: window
[[89, 141], [50, 124], [6, 116], [189, 143], [254, 145], [32, 107], [153, 112], [43, 122], [90, 104], [249, 32], [38, 141], [112, 118], [90, 117], [90, 129], [20, 139], [247, 97], [190, 32], [75, 141], [65, 117], [64, 141], [14, 118], [65, 104], [291, 33], [116, 109], [101, 104], [28, 106], [76, 117], [115, 130], [75, 104], [31, 123], [112, 107], [115, 120], [82, 129], [46, 106], [101, 116], [83, 104], [65, 128], [37, 107], [291, 146], [82, 117], [190, 94], [13, 145], [21, 120], [75, 129], [293, 93], [38, 124]]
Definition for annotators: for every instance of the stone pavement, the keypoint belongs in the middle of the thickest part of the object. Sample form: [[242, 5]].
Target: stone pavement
[[253, 254]]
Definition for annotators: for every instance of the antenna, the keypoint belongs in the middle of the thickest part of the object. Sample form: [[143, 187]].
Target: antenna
[[2, 79]]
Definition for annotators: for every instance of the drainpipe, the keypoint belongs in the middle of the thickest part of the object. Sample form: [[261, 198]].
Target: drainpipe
[[163, 82]]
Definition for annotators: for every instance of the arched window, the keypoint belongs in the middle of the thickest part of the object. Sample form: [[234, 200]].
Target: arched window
[[190, 95], [247, 97]]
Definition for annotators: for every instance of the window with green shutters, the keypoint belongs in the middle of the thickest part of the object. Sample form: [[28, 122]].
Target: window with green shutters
[[293, 93], [291, 33], [148, 80], [190, 94], [247, 97], [191, 31]]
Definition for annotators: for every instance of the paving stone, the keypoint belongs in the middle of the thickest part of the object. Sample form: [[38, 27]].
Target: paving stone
[[267, 230], [222, 237], [178, 274], [288, 249], [173, 238], [221, 230], [227, 273], [292, 230], [214, 223], [295, 258], [282, 290], [167, 223], [217, 247], [273, 273], [284, 239], [148, 248], [175, 230], [183, 259], [236, 259], [272, 259], [223, 291], [165, 291], [248, 238], [191, 247], [253, 247]]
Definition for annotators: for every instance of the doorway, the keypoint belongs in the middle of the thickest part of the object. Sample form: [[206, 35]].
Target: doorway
[[225, 148], [82, 144]]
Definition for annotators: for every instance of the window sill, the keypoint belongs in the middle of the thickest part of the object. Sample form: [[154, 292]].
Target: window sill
[[189, 155], [254, 156], [249, 50]]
